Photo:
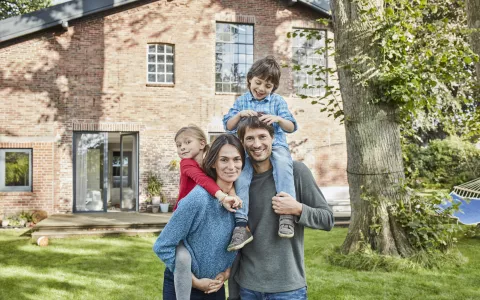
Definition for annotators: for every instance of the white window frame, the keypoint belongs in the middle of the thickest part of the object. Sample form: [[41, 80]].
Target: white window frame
[[163, 71], [4, 188], [310, 79]]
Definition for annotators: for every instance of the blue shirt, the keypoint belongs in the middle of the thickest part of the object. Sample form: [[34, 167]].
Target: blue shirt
[[205, 228], [273, 104]]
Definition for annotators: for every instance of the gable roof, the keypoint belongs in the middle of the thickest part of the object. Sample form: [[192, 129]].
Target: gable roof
[[65, 11], [53, 16]]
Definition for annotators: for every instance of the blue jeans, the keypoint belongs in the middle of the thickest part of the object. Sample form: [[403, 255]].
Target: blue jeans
[[300, 294], [282, 174], [169, 290]]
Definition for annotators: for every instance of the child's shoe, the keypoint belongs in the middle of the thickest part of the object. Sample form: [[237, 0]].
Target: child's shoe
[[286, 227], [240, 237]]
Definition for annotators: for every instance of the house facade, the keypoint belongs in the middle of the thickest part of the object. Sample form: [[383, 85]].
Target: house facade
[[93, 92]]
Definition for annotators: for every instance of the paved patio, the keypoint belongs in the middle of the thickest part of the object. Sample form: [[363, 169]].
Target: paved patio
[[101, 224]]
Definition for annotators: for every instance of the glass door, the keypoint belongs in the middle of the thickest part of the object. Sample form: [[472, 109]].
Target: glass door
[[90, 171], [128, 172]]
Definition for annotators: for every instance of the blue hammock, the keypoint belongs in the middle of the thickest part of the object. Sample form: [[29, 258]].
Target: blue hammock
[[469, 213]]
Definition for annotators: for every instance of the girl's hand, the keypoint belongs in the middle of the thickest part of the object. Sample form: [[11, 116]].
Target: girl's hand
[[247, 113], [270, 119], [231, 202]]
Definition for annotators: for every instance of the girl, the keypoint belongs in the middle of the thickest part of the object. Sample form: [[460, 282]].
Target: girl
[[191, 147]]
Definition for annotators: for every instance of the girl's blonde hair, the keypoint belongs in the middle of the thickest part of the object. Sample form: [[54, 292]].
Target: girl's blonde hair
[[196, 132]]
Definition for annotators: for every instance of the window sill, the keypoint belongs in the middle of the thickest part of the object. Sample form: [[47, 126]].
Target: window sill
[[227, 93], [23, 193], [171, 85]]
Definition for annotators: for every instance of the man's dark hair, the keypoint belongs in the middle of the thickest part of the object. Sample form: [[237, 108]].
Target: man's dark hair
[[253, 123], [212, 154], [267, 69]]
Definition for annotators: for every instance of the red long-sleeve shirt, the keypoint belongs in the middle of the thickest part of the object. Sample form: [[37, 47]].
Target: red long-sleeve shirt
[[190, 175]]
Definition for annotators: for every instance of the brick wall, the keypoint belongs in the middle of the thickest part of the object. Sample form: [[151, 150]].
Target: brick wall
[[95, 73]]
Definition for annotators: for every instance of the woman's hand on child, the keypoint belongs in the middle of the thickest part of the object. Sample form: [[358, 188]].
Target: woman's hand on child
[[208, 285], [269, 119], [248, 113]]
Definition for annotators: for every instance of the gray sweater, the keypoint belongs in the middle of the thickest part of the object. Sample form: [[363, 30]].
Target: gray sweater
[[271, 264]]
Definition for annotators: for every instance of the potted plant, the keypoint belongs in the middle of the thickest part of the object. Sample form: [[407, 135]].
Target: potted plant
[[164, 205], [154, 188], [5, 221]]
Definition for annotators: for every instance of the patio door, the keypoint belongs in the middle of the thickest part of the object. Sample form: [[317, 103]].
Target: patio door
[[90, 171], [128, 171]]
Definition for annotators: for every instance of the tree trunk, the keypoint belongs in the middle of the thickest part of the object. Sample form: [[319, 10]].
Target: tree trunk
[[473, 17], [375, 167]]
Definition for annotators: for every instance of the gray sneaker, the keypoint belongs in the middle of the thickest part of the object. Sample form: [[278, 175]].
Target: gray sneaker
[[286, 226], [240, 237]]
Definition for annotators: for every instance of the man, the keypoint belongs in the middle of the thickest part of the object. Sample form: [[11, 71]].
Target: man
[[270, 266]]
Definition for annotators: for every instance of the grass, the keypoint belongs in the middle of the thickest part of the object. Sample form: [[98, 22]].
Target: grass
[[126, 268]]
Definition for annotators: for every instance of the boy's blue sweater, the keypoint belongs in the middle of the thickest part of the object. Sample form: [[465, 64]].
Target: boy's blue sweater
[[205, 228]]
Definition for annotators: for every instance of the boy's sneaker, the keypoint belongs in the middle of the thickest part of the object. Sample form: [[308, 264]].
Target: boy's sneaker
[[286, 227], [240, 237]]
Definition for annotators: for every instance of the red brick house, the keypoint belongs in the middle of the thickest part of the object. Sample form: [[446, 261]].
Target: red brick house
[[93, 91]]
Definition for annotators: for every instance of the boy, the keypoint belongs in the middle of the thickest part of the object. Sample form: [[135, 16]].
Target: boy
[[263, 79]]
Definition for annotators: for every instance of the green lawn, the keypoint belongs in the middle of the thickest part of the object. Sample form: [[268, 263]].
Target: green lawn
[[126, 268]]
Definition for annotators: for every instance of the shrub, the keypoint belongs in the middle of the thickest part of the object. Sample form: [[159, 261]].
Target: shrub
[[441, 164]]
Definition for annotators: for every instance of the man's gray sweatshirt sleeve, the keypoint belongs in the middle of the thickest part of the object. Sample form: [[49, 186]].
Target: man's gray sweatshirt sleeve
[[315, 211]]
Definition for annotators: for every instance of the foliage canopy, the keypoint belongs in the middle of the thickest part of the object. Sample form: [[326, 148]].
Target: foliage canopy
[[421, 63], [10, 8]]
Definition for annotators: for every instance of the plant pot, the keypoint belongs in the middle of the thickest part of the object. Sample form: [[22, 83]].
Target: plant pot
[[155, 209], [164, 207], [5, 223], [156, 200]]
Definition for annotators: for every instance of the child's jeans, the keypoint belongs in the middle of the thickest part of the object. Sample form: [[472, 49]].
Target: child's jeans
[[282, 174], [183, 273]]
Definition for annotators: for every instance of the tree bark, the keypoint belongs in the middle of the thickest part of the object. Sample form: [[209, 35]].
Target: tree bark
[[473, 18], [375, 166]]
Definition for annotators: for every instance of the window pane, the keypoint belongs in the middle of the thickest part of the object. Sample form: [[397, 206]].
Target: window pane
[[169, 49], [151, 58], [17, 169], [169, 68], [169, 58], [226, 87], [161, 78], [151, 48], [161, 58], [151, 68], [170, 78], [161, 48], [161, 68], [151, 78]]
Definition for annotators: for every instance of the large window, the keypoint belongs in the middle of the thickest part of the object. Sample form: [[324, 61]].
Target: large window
[[233, 57], [305, 54], [160, 64], [15, 169]]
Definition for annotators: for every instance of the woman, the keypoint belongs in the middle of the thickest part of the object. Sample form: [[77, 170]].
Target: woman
[[204, 226]]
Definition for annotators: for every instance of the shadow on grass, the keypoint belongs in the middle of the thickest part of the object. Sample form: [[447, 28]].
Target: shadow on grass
[[91, 268]]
